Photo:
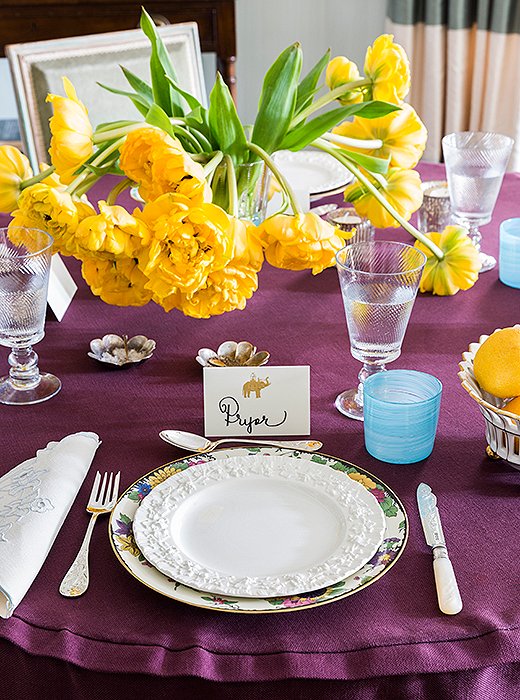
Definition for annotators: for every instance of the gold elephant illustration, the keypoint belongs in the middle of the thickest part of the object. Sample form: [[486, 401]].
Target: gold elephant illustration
[[254, 386]]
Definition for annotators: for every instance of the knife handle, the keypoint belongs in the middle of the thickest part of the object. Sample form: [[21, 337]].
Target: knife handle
[[448, 593]]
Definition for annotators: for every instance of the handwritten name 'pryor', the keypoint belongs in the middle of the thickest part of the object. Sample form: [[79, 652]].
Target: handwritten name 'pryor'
[[230, 407]]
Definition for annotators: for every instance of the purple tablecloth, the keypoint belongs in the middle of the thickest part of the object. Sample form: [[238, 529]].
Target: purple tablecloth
[[389, 640]]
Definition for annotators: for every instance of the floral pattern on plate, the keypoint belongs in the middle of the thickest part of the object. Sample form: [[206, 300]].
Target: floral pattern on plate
[[129, 555]]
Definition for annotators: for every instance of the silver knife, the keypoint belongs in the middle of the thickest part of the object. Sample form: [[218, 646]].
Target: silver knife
[[448, 593]]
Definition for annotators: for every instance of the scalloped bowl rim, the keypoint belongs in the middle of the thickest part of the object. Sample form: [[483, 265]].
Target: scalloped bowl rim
[[467, 364]]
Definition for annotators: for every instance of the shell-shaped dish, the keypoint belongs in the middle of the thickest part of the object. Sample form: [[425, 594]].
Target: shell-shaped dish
[[233, 354], [121, 350], [502, 427]]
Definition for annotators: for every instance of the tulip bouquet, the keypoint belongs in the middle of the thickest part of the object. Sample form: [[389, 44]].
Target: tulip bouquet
[[192, 246]]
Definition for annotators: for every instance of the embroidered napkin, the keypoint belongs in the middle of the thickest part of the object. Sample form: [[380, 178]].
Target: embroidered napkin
[[35, 498]]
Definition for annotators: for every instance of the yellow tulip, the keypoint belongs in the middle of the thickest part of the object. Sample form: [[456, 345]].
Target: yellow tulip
[[401, 188], [49, 209], [117, 281], [248, 248], [457, 270], [187, 244], [301, 242], [135, 153], [387, 66], [341, 71], [159, 164], [14, 169], [52, 180], [71, 142], [112, 232], [230, 288], [403, 135], [173, 170], [224, 290]]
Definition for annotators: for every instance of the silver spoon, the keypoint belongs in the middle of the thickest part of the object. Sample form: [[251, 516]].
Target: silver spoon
[[197, 443]]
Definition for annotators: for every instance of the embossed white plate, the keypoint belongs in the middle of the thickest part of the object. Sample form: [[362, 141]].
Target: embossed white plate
[[265, 525], [314, 171]]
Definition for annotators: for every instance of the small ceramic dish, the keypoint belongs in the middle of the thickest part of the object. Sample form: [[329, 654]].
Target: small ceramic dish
[[121, 350], [232, 354]]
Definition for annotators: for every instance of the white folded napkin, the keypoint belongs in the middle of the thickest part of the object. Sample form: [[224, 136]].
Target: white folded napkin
[[35, 498]]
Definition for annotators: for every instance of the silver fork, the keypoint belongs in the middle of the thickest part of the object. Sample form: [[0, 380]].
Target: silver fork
[[102, 499]]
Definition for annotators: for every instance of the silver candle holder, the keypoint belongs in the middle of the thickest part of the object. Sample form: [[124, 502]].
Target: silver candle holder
[[347, 219], [435, 212]]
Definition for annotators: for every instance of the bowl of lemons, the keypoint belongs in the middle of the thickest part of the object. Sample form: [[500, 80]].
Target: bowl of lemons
[[490, 373]]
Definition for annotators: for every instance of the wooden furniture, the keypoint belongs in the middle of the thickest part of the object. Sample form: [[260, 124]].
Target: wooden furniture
[[23, 21], [38, 67]]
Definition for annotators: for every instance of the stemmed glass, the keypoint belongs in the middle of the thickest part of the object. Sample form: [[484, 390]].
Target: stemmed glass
[[475, 165], [379, 282], [25, 258]]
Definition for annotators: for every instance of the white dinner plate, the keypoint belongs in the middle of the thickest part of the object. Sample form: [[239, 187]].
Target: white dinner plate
[[132, 560], [315, 172], [256, 526]]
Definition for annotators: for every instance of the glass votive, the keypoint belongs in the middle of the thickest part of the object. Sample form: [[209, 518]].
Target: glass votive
[[435, 211], [509, 257], [401, 411], [346, 218]]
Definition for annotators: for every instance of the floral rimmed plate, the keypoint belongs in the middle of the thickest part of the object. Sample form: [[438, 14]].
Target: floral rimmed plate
[[129, 555]]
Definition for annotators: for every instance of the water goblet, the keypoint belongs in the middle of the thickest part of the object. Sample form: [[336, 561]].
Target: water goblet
[[25, 258], [475, 165], [379, 282]]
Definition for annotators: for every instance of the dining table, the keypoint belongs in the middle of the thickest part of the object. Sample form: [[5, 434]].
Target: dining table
[[388, 640]]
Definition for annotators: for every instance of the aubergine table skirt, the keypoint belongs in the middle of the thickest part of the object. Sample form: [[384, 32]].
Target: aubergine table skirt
[[388, 641]]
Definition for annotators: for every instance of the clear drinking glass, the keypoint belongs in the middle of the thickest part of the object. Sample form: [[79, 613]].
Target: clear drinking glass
[[379, 282], [25, 259], [475, 165]]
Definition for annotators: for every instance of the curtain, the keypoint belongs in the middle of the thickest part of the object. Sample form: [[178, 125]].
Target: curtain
[[465, 61]]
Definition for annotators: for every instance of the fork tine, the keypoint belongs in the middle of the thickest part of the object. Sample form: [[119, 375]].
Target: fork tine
[[102, 489], [107, 496], [95, 487], [115, 490]]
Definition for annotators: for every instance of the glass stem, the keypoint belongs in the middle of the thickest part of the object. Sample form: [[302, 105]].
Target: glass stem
[[363, 375], [24, 372], [474, 234]]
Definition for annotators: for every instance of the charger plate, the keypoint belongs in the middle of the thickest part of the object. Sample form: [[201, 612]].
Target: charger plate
[[130, 556]]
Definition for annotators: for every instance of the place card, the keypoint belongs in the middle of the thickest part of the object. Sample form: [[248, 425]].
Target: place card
[[253, 401], [61, 287]]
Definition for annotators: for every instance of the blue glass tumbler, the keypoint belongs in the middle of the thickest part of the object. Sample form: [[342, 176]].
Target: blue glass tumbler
[[509, 258], [401, 409]]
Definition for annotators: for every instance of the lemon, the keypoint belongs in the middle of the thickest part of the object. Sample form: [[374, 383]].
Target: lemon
[[513, 406], [497, 363]]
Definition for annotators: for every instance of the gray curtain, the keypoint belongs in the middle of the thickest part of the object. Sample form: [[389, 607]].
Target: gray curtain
[[465, 60]]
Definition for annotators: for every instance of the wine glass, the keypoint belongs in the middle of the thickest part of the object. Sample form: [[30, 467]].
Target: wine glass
[[25, 258], [475, 165], [379, 282]]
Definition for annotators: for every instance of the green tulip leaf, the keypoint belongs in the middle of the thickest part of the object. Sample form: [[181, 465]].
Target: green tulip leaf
[[278, 99], [371, 163], [140, 86], [192, 101], [198, 120], [140, 104], [304, 134], [226, 128], [372, 110], [160, 67], [308, 86], [158, 117]]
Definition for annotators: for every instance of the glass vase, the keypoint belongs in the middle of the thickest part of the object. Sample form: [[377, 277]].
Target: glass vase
[[252, 185]]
